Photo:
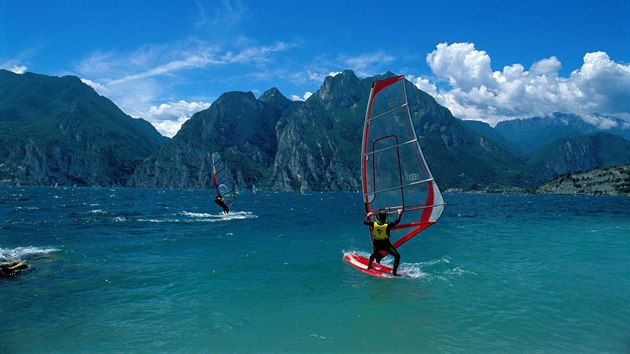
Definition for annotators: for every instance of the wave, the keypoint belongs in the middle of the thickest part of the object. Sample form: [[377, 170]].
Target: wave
[[99, 212], [29, 208], [239, 215], [29, 252], [100, 215], [190, 217]]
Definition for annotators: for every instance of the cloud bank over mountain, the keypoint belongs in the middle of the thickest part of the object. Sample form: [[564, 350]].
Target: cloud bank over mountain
[[465, 83]]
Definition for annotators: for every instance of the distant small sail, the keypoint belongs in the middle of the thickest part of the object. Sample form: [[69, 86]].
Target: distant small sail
[[222, 180]]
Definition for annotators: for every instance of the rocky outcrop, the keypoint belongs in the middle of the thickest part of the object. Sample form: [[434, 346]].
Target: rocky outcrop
[[611, 181], [12, 268]]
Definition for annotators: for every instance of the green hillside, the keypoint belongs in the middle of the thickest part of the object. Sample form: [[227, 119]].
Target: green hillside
[[59, 130]]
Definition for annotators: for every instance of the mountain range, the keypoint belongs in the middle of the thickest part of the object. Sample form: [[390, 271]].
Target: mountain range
[[59, 130]]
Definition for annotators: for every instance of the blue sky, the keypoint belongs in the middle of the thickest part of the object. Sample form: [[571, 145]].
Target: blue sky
[[488, 60]]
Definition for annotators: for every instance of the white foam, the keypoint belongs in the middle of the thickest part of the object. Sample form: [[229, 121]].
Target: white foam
[[98, 212], [9, 254], [412, 270], [207, 217], [197, 215]]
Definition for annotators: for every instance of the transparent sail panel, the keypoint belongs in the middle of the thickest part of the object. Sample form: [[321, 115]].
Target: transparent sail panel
[[222, 180], [395, 174]]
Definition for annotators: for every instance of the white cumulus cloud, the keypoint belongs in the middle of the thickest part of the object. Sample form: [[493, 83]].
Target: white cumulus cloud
[[603, 82], [18, 69], [102, 90], [167, 118], [14, 66], [303, 98], [475, 91]]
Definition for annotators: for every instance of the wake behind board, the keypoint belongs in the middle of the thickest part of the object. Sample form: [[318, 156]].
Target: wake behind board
[[360, 263]]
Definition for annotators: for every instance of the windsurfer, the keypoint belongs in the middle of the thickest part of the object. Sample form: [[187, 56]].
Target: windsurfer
[[219, 200], [379, 230]]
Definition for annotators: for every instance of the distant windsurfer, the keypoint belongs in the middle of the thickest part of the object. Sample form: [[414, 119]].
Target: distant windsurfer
[[380, 232], [219, 200]]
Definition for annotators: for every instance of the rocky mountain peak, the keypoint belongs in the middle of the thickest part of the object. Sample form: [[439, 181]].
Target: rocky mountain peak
[[275, 99], [341, 90]]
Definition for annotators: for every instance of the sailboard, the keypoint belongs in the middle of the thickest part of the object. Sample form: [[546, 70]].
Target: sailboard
[[361, 263], [222, 180], [394, 172]]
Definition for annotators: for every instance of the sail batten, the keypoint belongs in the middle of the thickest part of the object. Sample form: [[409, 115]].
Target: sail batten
[[391, 147], [401, 186], [394, 172], [386, 113]]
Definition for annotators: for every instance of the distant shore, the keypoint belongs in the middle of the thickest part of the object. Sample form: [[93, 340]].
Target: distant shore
[[609, 181]]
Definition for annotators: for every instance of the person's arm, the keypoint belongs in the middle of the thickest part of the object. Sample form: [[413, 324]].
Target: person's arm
[[395, 222], [368, 219]]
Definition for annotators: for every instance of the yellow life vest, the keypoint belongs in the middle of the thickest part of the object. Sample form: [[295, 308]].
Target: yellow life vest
[[379, 232]]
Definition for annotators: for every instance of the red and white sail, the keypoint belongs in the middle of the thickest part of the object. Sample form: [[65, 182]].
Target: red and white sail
[[394, 172]]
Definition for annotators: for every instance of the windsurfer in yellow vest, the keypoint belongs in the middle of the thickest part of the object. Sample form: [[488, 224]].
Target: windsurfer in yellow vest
[[219, 200], [379, 230]]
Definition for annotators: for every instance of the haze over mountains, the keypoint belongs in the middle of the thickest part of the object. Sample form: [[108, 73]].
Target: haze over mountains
[[58, 130]]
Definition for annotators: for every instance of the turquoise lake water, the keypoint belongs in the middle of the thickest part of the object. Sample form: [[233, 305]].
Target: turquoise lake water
[[133, 270]]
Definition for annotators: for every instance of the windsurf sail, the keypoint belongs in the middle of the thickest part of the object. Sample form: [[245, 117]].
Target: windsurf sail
[[222, 180], [394, 173]]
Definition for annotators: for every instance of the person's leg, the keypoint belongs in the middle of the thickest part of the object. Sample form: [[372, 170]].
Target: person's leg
[[392, 250], [371, 260]]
